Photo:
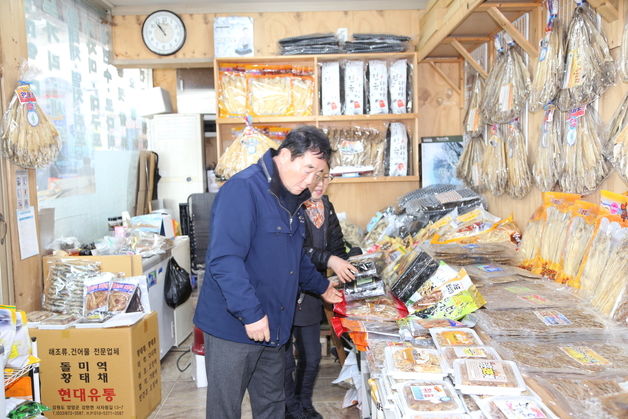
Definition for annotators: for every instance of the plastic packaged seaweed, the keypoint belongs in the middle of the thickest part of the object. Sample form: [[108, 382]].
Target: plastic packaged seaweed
[[330, 88], [589, 66], [410, 277], [617, 146], [354, 87], [399, 86], [397, 155], [477, 376], [549, 66], [377, 87], [494, 165], [548, 166]]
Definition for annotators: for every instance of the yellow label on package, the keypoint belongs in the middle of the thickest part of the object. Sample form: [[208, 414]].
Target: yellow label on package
[[491, 371], [470, 352], [584, 355], [457, 337]]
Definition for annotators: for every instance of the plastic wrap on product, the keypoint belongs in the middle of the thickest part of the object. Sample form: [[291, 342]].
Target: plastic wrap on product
[[469, 254], [398, 85], [397, 156], [383, 308], [624, 55], [246, 150], [414, 363], [269, 94], [355, 147], [456, 337], [434, 202], [411, 274], [507, 407], [451, 353], [494, 165], [121, 293], [589, 66], [378, 87], [473, 122], [528, 294], [549, 66], [519, 176], [232, 93], [428, 397], [469, 167], [330, 88], [302, 94], [580, 233], [478, 376], [617, 145], [548, 165], [366, 286], [97, 293], [64, 284], [354, 86]]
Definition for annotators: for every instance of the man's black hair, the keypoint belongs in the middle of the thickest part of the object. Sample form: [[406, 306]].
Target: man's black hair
[[307, 138]]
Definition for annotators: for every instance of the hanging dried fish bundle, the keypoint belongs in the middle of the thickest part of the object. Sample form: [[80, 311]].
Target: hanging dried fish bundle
[[548, 165], [473, 124], [624, 55], [29, 139], [491, 88], [519, 178], [494, 162], [589, 66], [584, 164], [469, 168], [549, 67], [617, 146], [509, 92]]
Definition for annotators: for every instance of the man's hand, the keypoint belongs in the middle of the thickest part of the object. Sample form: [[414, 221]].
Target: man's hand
[[332, 295], [258, 331], [343, 269]]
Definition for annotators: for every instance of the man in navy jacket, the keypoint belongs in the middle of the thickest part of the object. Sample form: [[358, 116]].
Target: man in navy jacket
[[254, 269]]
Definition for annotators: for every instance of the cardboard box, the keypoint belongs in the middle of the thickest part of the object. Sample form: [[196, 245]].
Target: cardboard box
[[100, 372]]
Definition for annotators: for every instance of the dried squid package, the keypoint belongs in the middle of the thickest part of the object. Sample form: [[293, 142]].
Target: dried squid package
[[330, 88], [473, 123], [589, 66], [269, 92], [494, 165], [580, 233], [511, 89], [65, 282], [549, 66], [547, 167], [247, 148], [398, 83], [519, 177], [232, 97], [378, 87], [27, 137], [354, 86], [617, 146], [301, 92], [397, 157], [469, 167], [583, 152]]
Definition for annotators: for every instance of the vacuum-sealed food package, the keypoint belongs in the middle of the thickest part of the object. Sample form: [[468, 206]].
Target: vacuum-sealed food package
[[97, 293], [414, 363], [510, 407], [354, 83], [397, 156], [478, 376], [330, 88], [428, 397], [398, 85], [233, 92], [122, 290], [378, 87], [444, 337], [384, 308], [451, 353]]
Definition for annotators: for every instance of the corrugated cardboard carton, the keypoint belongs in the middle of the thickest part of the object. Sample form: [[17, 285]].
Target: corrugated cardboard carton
[[100, 372]]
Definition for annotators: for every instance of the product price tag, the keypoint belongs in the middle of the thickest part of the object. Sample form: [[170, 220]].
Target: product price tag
[[25, 94], [584, 355], [457, 337], [520, 409], [435, 394], [490, 268], [552, 318], [489, 371], [470, 352]]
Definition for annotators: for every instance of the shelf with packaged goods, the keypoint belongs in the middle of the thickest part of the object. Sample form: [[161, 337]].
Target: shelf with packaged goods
[[376, 179], [268, 120], [367, 117]]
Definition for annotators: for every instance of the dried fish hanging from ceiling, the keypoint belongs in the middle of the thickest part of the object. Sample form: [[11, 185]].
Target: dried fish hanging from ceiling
[[550, 64], [624, 55], [519, 177], [506, 97], [469, 167], [617, 146], [548, 164], [589, 66], [584, 164], [494, 162]]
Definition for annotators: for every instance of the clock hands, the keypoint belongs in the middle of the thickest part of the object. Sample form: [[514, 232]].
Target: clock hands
[[161, 29]]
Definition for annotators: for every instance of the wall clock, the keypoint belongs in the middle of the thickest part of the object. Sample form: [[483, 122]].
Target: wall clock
[[163, 32]]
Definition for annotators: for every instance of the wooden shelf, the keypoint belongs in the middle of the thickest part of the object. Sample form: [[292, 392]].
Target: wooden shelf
[[267, 120], [379, 179], [164, 63], [377, 117]]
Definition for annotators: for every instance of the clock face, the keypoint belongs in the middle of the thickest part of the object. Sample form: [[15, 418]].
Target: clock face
[[163, 32]]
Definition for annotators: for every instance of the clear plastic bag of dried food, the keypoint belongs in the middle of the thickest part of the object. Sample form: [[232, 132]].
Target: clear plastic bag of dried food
[[548, 165], [617, 146], [65, 282], [519, 176], [469, 167], [528, 294], [122, 291], [624, 54], [473, 122], [356, 148], [475, 253], [494, 165], [232, 97]]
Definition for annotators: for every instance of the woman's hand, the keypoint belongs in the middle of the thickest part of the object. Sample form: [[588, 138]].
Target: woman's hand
[[343, 269]]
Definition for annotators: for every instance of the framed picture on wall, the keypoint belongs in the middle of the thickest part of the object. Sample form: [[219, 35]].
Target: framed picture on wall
[[439, 158]]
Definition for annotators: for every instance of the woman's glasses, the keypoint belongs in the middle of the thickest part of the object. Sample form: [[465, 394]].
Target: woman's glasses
[[323, 178]]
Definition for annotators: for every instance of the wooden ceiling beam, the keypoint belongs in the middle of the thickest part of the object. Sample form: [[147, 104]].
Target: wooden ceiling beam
[[517, 36], [467, 56], [510, 7], [606, 9], [469, 38]]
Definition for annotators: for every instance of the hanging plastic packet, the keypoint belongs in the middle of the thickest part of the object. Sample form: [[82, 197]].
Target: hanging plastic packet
[[550, 63], [547, 167], [492, 86], [585, 167], [519, 177], [494, 165], [589, 66], [378, 87], [473, 123], [397, 156], [354, 77], [398, 84], [624, 55], [330, 88], [617, 146]]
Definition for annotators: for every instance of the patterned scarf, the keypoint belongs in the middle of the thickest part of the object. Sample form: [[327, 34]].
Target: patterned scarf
[[316, 212]]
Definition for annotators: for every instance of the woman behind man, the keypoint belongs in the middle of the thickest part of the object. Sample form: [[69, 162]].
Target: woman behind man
[[325, 245]]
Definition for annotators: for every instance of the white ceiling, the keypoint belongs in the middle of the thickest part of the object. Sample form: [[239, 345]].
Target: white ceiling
[[131, 7]]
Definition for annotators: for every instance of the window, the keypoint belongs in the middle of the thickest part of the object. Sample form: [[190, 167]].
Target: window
[[92, 105]]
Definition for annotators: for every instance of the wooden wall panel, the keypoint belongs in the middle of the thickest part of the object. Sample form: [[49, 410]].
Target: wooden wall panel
[[167, 80], [26, 274], [268, 28]]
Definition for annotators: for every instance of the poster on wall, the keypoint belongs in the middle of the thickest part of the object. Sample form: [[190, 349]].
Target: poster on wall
[[233, 37], [439, 158]]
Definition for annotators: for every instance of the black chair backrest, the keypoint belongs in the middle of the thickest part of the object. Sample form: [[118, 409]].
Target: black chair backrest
[[199, 210]]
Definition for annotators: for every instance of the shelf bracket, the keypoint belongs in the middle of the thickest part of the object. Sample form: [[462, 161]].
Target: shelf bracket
[[446, 78], [518, 37], [510, 6], [606, 9], [467, 56]]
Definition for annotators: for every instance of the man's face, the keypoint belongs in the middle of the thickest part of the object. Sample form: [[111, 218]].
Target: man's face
[[299, 173]]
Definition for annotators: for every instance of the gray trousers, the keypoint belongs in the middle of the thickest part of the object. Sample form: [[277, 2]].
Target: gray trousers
[[234, 367]]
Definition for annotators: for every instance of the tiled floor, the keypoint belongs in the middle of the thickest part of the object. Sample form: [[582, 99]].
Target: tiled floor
[[181, 399]]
